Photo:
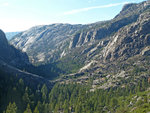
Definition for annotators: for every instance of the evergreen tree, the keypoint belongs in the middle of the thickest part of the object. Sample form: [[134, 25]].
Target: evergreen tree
[[11, 108], [45, 108], [66, 107], [114, 102], [26, 98], [143, 85], [36, 110], [21, 85], [28, 109], [56, 108], [44, 92], [39, 106]]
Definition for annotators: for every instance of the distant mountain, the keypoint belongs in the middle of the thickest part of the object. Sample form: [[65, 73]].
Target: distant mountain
[[45, 43], [10, 35], [49, 43]]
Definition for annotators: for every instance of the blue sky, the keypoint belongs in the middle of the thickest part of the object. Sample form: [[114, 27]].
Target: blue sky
[[18, 15]]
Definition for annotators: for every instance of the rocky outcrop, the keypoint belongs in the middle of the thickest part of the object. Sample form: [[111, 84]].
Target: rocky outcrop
[[133, 9], [128, 15], [130, 40], [45, 43], [146, 51], [99, 33]]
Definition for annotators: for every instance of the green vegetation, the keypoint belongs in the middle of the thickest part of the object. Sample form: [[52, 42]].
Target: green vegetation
[[16, 97], [95, 68], [11, 108]]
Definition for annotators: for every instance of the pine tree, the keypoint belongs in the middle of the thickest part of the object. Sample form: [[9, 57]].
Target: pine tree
[[66, 107], [78, 108], [21, 82], [11, 108], [36, 110], [21, 85], [26, 98], [45, 108], [28, 109], [44, 92], [114, 102], [143, 85], [39, 106], [56, 108]]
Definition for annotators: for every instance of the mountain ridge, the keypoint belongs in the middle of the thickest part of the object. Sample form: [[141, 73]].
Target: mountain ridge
[[13, 63], [41, 49], [49, 32]]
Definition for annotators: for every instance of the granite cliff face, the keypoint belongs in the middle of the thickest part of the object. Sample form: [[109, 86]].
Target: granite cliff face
[[49, 43], [131, 40], [98, 31], [45, 43], [118, 58]]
